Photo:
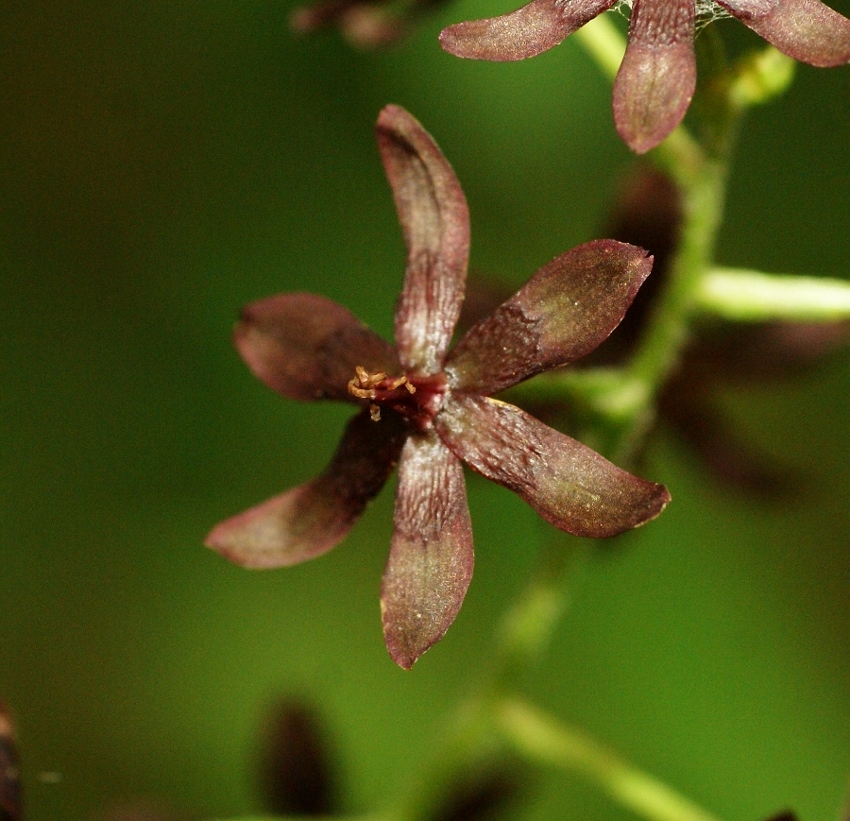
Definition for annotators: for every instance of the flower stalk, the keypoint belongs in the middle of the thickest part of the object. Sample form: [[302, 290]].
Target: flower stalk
[[753, 296], [547, 741]]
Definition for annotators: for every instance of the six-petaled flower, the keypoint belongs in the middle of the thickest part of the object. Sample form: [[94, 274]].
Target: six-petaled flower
[[429, 408]]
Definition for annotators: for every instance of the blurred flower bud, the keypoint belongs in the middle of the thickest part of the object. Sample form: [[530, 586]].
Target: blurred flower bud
[[297, 770]]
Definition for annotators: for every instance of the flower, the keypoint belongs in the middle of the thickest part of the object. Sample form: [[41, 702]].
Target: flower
[[364, 23], [10, 786], [657, 77], [720, 357], [429, 409]]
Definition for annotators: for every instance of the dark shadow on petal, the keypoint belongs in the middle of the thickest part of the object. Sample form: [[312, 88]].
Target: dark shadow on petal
[[526, 32], [307, 347], [807, 30], [567, 483], [435, 220], [657, 77], [310, 519], [431, 558]]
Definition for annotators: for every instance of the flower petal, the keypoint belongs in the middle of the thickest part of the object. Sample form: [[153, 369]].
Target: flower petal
[[807, 30], [435, 220], [657, 77], [310, 519], [526, 32], [307, 347], [561, 314], [568, 484], [431, 558]]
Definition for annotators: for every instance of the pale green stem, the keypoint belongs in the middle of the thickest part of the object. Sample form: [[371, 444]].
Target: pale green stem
[[544, 740], [370, 817], [667, 331], [753, 296], [470, 736], [604, 42]]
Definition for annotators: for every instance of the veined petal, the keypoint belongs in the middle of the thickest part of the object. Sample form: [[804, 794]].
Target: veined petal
[[526, 32], [431, 558], [807, 30], [435, 221], [310, 519], [567, 483], [307, 347], [657, 77], [561, 314]]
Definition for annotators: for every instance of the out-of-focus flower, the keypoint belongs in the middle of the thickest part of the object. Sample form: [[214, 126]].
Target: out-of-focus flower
[[430, 409], [720, 355], [10, 782], [657, 77], [364, 23], [297, 768]]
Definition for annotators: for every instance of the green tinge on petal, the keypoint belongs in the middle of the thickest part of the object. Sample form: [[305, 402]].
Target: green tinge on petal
[[561, 314], [431, 558], [807, 30], [307, 347], [310, 519], [526, 32], [567, 483], [435, 220], [657, 77]]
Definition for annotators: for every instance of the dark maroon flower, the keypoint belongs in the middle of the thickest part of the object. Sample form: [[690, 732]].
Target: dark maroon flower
[[297, 766], [429, 409], [657, 77], [10, 785], [720, 356], [365, 23]]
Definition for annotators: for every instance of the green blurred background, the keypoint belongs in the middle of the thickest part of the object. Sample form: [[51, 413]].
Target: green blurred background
[[165, 163]]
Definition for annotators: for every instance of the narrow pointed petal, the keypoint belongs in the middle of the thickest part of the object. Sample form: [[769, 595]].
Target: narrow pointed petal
[[807, 30], [567, 483], [431, 558], [561, 314], [658, 74], [526, 32], [310, 519], [307, 347], [435, 221]]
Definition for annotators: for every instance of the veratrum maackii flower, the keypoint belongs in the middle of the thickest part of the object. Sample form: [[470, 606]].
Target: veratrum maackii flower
[[429, 408]]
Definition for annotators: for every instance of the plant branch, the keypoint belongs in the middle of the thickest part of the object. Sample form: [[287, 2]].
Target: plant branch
[[753, 296], [544, 740]]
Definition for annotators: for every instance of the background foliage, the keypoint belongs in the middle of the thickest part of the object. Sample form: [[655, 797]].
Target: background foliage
[[163, 164]]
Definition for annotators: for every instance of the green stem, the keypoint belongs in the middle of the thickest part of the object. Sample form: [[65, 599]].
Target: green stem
[[703, 200], [753, 296], [544, 740], [470, 739]]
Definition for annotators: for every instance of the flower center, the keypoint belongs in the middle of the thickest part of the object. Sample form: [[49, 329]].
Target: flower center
[[416, 397]]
